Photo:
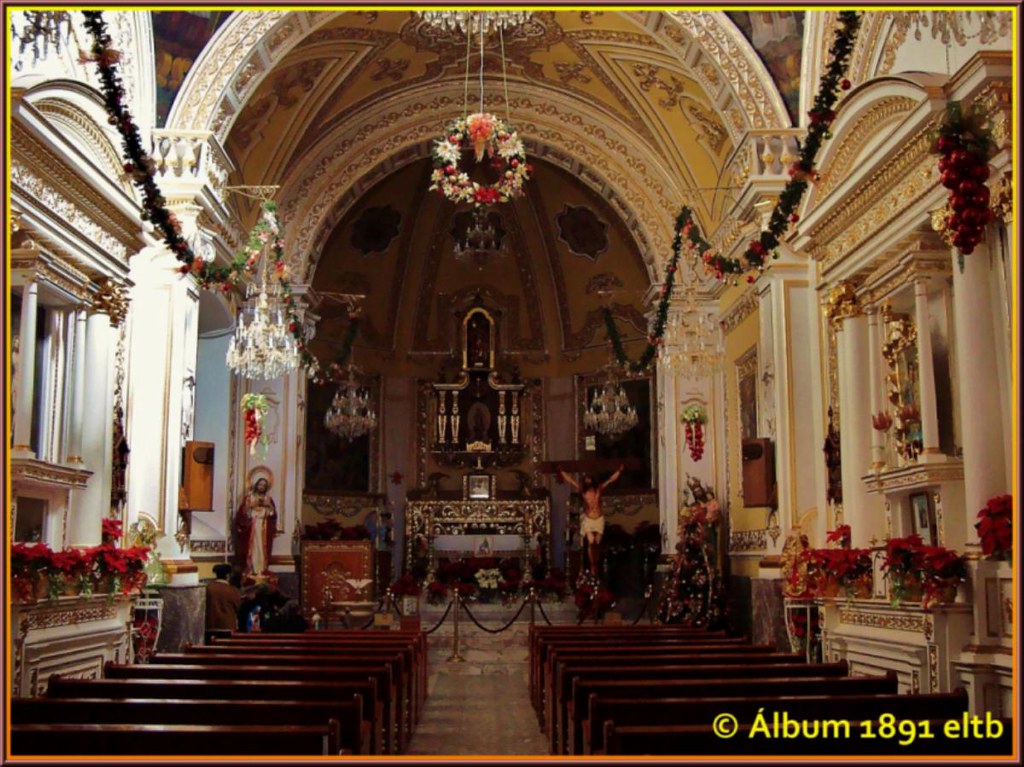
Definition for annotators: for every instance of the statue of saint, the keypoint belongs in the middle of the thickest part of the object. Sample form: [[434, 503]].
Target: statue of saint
[[256, 525]]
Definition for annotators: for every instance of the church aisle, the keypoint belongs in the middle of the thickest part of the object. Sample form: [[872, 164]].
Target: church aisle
[[480, 707]]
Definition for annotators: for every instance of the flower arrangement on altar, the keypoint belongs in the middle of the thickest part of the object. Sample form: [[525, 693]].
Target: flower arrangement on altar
[[694, 417], [840, 536], [490, 136], [841, 570], [38, 572], [592, 599], [995, 527], [930, 574]]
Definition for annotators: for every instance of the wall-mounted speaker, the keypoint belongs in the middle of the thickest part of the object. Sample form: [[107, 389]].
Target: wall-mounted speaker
[[758, 472], [197, 476]]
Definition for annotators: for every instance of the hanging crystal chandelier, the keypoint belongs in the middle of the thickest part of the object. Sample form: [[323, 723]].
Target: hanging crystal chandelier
[[43, 27], [481, 240], [263, 346], [471, 22], [950, 26], [693, 340], [610, 412], [351, 413]]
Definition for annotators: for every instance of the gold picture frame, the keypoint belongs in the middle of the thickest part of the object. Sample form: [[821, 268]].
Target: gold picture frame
[[479, 487]]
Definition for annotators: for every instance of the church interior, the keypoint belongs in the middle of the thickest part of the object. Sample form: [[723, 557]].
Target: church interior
[[510, 382]]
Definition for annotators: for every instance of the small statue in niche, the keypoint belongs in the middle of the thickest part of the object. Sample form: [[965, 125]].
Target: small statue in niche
[[833, 462], [478, 341]]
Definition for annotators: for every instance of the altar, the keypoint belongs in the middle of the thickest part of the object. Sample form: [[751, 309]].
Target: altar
[[427, 520]]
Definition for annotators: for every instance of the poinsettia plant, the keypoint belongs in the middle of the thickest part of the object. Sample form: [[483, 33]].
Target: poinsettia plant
[[840, 535], [995, 527]]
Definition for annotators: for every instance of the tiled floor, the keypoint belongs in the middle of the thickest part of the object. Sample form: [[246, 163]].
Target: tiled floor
[[479, 707]]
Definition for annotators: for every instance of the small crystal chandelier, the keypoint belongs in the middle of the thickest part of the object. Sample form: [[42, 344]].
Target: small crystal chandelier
[[948, 26], [693, 345], [610, 412], [470, 22], [42, 27], [263, 346], [351, 413], [480, 242]]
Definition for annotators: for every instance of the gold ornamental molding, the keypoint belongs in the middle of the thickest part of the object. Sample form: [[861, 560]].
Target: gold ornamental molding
[[346, 506], [842, 302], [99, 607], [911, 477], [111, 299], [739, 310], [628, 505], [32, 469], [43, 266], [748, 540], [853, 616], [923, 258]]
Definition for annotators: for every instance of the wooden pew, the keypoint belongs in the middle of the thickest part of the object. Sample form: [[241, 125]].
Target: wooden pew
[[551, 653], [354, 731], [560, 742], [540, 662], [412, 671], [384, 739], [678, 711], [547, 635], [715, 687], [557, 727], [417, 639], [399, 657], [174, 739], [558, 683], [217, 689], [701, 740]]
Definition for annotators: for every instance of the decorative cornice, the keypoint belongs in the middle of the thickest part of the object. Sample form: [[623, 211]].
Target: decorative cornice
[[748, 540], [347, 506], [70, 611], [918, 475], [891, 620], [52, 269], [739, 310], [48, 473]]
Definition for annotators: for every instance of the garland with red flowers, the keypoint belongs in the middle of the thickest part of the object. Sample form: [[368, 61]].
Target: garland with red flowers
[[833, 80], [965, 145], [141, 169]]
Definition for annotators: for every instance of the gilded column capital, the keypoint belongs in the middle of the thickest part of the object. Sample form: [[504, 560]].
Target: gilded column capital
[[1001, 202], [110, 299], [842, 302]]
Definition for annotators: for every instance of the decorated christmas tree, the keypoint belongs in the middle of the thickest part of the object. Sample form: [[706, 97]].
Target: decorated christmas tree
[[694, 594]]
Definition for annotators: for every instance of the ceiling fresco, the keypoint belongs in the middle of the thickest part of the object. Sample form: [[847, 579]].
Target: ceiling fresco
[[778, 38], [178, 37]]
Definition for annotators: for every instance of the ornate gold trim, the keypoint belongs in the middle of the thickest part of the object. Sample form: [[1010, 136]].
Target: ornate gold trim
[[48, 473], [739, 310], [748, 540]]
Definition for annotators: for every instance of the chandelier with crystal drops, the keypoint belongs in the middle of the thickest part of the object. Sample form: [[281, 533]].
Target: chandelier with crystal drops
[[41, 30], [351, 413], [480, 242], [693, 340], [263, 346], [610, 412], [471, 22]]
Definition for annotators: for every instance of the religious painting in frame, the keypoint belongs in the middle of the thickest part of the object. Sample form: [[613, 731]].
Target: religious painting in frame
[[746, 385], [478, 487], [921, 516]]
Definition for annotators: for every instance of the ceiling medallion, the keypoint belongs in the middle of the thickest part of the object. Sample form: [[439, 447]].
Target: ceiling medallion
[[470, 22]]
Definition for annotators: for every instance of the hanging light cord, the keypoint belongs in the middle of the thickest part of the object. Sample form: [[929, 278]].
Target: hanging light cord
[[481, 23], [504, 76]]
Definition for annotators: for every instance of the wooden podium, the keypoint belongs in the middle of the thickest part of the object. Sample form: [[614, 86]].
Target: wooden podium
[[335, 572]]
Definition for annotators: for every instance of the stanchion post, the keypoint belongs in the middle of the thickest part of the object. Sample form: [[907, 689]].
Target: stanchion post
[[533, 604], [455, 657]]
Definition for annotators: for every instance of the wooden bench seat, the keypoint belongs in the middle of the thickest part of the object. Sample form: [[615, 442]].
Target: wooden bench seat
[[679, 711], [718, 687], [412, 687], [386, 738], [174, 740], [580, 674], [354, 731]]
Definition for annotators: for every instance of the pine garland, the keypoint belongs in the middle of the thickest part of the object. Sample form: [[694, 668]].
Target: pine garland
[[139, 166], [801, 172]]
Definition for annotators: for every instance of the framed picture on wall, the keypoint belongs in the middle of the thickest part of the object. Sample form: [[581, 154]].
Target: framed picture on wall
[[478, 487], [921, 514]]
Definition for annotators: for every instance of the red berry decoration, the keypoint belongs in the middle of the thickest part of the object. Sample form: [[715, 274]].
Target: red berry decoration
[[964, 145]]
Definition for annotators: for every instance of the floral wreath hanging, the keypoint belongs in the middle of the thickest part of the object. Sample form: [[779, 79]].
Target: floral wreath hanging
[[694, 417], [488, 135], [254, 408]]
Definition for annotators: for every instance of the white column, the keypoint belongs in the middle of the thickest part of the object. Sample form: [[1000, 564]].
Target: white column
[[92, 504], [930, 451], [74, 451], [26, 372], [876, 373], [861, 510], [980, 420], [668, 458]]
